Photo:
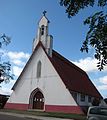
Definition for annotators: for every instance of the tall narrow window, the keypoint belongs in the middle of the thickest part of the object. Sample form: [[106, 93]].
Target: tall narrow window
[[42, 30], [39, 69]]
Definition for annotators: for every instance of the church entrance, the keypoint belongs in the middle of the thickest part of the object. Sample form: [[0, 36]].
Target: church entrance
[[38, 101]]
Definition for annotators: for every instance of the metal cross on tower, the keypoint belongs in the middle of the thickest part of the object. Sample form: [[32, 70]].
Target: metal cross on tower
[[44, 12]]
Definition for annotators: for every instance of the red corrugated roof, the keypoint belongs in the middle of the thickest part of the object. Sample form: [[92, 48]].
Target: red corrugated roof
[[73, 77]]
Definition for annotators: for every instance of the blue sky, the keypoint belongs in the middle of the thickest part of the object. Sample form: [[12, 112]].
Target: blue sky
[[19, 20]]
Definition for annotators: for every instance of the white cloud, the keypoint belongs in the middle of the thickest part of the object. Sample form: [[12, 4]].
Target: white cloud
[[103, 83], [103, 80], [18, 59], [18, 62], [5, 91], [17, 70], [88, 64], [102, 87], [18, 55]]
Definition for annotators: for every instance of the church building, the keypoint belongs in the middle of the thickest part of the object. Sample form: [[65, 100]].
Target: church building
[[49, 82]]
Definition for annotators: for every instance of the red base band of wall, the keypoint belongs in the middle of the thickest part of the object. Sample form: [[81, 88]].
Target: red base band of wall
[[48, 108], [64, 109], [16, 106]]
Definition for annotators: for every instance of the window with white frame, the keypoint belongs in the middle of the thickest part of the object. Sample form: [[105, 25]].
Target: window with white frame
[[82, 98]]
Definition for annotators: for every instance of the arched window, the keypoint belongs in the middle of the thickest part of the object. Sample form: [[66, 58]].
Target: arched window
[[39, 69], [42, 30]]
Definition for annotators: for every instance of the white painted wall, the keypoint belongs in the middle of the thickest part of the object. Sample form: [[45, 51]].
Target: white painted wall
[[50, 83]]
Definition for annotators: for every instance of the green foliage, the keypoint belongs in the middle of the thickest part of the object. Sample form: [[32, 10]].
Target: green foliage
[[97, 35], [5, 40], [5, 67], [5, 74], [73, 6]]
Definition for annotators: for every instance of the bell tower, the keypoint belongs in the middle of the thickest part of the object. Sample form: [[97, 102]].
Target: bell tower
[[43, 36]]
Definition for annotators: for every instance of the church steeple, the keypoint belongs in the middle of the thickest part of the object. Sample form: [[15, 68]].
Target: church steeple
[[42, 35]]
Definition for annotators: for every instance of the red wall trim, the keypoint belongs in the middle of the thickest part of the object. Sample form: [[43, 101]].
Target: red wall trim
[[64, 109], [16, 106], [48, 108]]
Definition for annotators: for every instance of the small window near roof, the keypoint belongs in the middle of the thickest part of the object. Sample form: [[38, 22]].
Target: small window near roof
[[82, 98], [39, 69], [42, 30]]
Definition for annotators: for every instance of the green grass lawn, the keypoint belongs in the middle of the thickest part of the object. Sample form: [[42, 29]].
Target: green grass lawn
[[47, 114]]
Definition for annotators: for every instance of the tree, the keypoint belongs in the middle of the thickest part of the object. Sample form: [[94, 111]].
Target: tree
[[5, 67], [97, 34]]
